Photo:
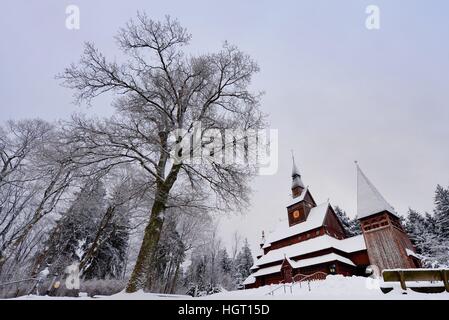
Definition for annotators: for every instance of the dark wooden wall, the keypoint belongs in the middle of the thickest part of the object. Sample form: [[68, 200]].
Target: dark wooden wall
[[386, 242], [333, 225]]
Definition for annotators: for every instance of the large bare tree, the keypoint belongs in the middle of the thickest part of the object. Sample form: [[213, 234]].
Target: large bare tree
[[158, 90]]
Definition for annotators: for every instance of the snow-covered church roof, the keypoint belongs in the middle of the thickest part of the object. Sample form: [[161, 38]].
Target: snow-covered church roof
[[299, 264], [267, 270], [369, 199], [293, 201], [320, 259], [347, 245], [315, 219], [250, 280]]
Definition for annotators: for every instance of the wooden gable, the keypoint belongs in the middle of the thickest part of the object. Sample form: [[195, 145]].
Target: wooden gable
[[308, 198], [299, 212], [333, 225]]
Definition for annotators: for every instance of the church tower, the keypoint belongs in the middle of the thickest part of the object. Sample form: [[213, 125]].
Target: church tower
[[387, 244], [302, 201]]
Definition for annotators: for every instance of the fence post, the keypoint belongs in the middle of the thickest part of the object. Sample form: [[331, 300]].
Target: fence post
[[445, 277], [402, 280]]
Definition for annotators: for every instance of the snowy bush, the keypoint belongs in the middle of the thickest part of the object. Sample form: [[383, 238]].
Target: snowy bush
[[102, 287]]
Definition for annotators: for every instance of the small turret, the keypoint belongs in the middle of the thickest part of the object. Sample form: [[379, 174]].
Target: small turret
[[262, 240], [297, 184]]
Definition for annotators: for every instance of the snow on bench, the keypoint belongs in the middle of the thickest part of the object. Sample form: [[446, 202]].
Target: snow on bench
[[420, 280]]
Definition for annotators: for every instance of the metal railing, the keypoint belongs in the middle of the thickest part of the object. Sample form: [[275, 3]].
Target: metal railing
[[281, 285], [309, 278], [299, 279]]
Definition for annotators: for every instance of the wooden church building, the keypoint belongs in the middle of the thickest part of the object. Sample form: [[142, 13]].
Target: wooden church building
[[312, 240]]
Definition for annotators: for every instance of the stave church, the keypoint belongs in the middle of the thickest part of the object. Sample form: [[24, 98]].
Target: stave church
[[312, 240]]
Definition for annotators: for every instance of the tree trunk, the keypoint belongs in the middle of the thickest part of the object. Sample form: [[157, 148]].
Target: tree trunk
[[142, 273], [168, 276], [92, 251], [175, 279], [141, 277]]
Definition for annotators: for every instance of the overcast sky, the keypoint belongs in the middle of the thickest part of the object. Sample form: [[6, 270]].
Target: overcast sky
[[336, 91]]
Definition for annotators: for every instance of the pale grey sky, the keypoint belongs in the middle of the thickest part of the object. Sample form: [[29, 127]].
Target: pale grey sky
[[336, 91]]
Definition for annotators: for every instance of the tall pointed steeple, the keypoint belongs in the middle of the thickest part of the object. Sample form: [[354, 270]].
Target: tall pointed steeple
[[262, 239], [297, 185], [369, 199]]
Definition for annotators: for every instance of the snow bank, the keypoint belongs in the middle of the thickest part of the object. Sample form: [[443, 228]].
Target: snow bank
[[139, 295], [333, 288]]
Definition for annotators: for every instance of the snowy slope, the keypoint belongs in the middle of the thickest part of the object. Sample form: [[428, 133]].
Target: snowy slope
[[333, 288]]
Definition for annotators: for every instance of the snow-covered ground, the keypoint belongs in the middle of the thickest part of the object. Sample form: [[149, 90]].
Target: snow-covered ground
[[139, 295], [333, 288]]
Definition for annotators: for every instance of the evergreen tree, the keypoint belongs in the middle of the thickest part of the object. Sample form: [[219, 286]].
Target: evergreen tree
[[73, 232], [226, 264], [440, 226], [431, 223], [78, 229], [423, 232], [243, 263], [211, 270], [196, 281], [355, 228], [227, 270], [109, 258], [442, 211], [351, 226], [417, 229]]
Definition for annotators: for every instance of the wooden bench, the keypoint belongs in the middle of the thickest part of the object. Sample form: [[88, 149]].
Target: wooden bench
[[438, 279]]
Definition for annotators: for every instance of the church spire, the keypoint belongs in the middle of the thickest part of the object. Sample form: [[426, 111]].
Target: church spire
[[297, 185], [262, 239], [369, 199]]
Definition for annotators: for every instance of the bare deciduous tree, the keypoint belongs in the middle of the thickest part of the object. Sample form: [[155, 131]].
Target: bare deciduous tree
[[158, 90], [36, 171]]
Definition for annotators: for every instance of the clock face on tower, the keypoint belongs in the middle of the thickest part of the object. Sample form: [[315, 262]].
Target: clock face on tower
[[296, 214]]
